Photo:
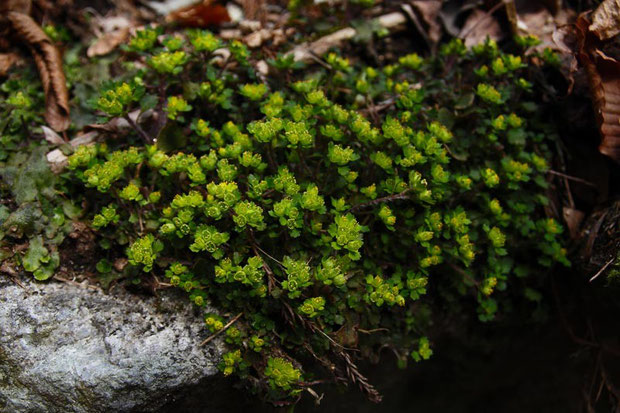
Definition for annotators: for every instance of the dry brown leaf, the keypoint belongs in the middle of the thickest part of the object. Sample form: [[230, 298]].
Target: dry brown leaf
[[57, 160], [565, 41], [606, 19], [531, 18], [49, 63], [200, 15], [256, 39], [108, 42], [537, 18], [429, 10], [604, 79], [120, 264], [478, 26], [7, 60], [18, 6], [51, 136], [253, 9], [308, 52], [114, 22], [573, 218]]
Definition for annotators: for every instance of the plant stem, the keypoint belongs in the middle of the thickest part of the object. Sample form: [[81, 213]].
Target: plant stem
[[402, 195], [217, 333], [145, 136]]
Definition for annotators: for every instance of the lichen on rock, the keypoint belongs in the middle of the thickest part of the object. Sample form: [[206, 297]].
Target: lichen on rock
[[68, 348]]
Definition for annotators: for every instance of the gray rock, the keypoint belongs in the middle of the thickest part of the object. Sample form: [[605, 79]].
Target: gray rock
[[67, 348]]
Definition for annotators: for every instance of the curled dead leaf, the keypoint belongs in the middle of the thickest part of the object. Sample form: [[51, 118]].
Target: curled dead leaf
[[606, 19], [49, 64]]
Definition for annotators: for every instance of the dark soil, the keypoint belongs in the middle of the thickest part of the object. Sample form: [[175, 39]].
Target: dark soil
[[557, 365]]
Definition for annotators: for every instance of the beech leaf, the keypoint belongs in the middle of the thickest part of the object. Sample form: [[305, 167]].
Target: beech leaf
[[49, 63], [604, 78]]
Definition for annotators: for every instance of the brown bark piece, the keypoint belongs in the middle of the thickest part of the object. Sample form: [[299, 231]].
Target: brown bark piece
[[49, 63]]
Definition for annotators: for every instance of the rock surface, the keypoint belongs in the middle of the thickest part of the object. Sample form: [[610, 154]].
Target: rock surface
[[68, 348]]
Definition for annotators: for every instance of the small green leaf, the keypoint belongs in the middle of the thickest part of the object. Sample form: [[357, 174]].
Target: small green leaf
[[148, 101], [104, 266], [171, 137], [36, 255]]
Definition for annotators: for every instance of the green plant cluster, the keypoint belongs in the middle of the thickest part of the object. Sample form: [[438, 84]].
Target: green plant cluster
[[354, 199]]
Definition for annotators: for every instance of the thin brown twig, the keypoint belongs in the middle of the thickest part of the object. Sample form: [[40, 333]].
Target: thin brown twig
[[608, 384], [464, 274], [572, 178], [145, 136], [77, 284], [358, 378], [18, 282], [372, 110], [317, 398], [374, 330], [600, 391], [320, 61], [271, 280], [603, 268], [389, 198], [217, 333], [381, 106], [351, 370]]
